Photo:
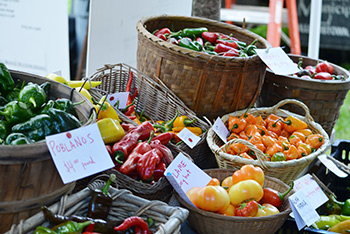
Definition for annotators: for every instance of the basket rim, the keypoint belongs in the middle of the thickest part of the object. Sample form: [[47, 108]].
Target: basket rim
[[177, 49]]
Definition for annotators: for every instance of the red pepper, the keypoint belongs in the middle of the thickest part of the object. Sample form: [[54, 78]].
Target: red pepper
[[220, 48], [134, 221], [128, 87], [159, 171], [162, 36], [163, 31], [200, 41], [311, 69], [231, 53], [164, 137], [128, 127], [249, 209], [324, 67], [147, 163], [210, 36], [109, 150], [230, 43], [273, 197], [130, 110], [224, 36], [130, 164], [167, 154], [323, 76]]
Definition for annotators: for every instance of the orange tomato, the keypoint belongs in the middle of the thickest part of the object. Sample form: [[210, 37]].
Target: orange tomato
[[248, 172], [212, 198], [245, 190]]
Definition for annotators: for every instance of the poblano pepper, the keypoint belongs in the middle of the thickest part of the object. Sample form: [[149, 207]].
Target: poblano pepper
[[46, 87], [17, 138], [16, 112], [6, 81], [62, 121], [33, 95], [67, 105], [4, 130], [12, 95]]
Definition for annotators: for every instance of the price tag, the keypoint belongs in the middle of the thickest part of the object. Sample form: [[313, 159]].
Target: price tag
[[184, 175], [79, 153], [311, 189], [331, 166], [188, 137], [220, 129], [303, 211], [278, 61], [122, 97]]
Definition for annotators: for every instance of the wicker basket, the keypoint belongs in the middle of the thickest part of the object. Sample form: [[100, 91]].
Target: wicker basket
[[324, 98], [28, 175], [209, 85], [157, 101], [205, 222], [167, 219], [285, 170]]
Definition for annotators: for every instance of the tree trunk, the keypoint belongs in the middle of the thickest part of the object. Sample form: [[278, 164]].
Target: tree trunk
[[207, 9]]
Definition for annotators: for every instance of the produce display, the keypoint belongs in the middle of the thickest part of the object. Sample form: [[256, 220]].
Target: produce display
[[280, 139], [202, 40], [241, 194]]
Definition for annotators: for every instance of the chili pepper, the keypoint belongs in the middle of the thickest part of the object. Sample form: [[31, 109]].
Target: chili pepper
[[6, 81], [341, 227], [250, 49], [249, 171], [292, 153], [237, 148], [322, 76], [193, 32], [128, 127], [249, 118], [3, 101], [230, 43], [162, 31], [130, 162], [327, 221], [159, 171], [324, 67], [315, 141], [67, 105], [46, 86], [292, 124], [43, 230], [134, 221], [235, 124], [147, 163], [210, 37], [164, 137], [16, 112], [345, 210], [189, 44], [70, 227], [166, 152], [32, 95], [275, 127], [221, 48], [168, 126], [129, 110], [183, 121], [274, 197], [4, 130], [111, 130], [128, 87], [106, 110], [12, 95], [277, 157], [86, 94], [195, 130], [276, 147], [231, 53]]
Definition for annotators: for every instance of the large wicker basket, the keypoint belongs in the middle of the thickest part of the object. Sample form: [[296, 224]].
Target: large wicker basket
[[157, 101], [285, 170], [205, 222], [324, 98], [167, 219], [210, 85], [28, 176]]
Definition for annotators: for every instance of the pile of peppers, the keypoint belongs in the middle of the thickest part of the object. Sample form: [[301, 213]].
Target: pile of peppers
[[212, 43], [280, 139], [26, 113], [241, 194]]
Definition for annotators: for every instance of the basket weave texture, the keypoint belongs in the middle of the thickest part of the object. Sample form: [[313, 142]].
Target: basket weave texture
[[157, 101], [205, 222], [324, 98], [209, 85], [285, 170], [167, 219]]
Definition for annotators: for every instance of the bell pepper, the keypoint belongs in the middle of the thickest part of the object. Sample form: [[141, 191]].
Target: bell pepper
[[130, 162], [214, 181], [210, 36], [32, 95], [147, 163], [106, 110], [266, 209], [16, 112], [345, 210], [3, 101], [247, 209], [183, 121], [186, 42], [274, 197], [159, 171], [6, 81], [12, 95], [111, 130], [322, 76], [245, 190], [134, 221], [247, 172], [236, 125]]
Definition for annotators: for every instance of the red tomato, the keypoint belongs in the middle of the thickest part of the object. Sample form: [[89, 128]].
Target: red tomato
[[323, 76], [324, 67]]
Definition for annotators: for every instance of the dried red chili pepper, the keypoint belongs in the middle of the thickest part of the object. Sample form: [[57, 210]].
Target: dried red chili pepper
[[147, 163], [134, 221], [274, 197]]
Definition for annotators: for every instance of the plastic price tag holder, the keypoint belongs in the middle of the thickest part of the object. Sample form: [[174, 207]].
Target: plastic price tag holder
[[220, 129], [184, 175], [79, 153], [188, 137], [304, 213], [331, 166], [311, 189], [277, 60], [122, 97]]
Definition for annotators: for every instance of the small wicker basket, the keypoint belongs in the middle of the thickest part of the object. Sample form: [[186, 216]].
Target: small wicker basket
[[324, 98], [205, 222], [285, 170], [209, 85], [157, 101], [167, 219]]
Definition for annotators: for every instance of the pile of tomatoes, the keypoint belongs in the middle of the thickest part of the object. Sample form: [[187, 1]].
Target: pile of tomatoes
[[241, 194], [280, 139], [322, 71]]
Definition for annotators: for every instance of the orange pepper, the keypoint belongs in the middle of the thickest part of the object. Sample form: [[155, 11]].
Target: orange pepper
[[249, 172], [268, 141], [274, 149], [229, 211], [292, 124], [251, 130], [272, 134], [246, 155], [304, 149], [227, 183], [260, 121], [260, 146], [210, 198], [261, 129], [236, 124], [306, 131], [243, 135], [275, 127], [285, 133], [294, 140], [249, 118], [214, 181], [272, 118], [292, 153], [301, 136], [232, 136], [315, 141], [237, 148]]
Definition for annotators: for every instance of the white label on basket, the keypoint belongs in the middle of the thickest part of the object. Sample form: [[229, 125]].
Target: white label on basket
[[79, 153], [184, 175], [303, 211], [188, 137], [278, 61], [331, 166], [122, 97], [311, 189], [220, 129]]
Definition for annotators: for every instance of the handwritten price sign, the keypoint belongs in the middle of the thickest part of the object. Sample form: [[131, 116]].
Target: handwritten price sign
[[79, 153]]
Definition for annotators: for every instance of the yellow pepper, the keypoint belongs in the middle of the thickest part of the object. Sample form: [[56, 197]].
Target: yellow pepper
[[107, 110], [86, 94], [111, 130], [73, 83], [183, 121], [292, 124], [342, 227], [267, 209], [195, 130], [245, 190]]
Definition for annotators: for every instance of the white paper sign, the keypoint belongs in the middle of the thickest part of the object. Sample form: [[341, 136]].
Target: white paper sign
[[122, 97], [311, 189], [79, 153], [277, 60], [188, 137], [184, 175], [220, 129], [303, 212], [331, 166]]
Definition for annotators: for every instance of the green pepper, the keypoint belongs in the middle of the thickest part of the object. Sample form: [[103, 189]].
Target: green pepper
[[193, 32], [62, 121], [6, 81], [48, 105], [250, 50], [241, 45], [46, 87], [43, 230], [189, 44], [167, 126], [70, 226], [279, 156], [67, 105], [326, 221], [33, 95], [4, 130], [345, 210], [17, 138], [3, 101], [12, 95], [16, 112]]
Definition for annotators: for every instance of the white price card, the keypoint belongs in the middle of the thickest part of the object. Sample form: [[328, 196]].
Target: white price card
[[311, 189], [79, 153], [220, 129], [331, 166], [278, 61], [184, 175], [304, 213], [122, 97], [188, 138]]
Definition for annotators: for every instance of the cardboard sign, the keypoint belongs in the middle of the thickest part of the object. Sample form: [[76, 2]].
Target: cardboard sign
[[79, 153], [122, 97], [220, 129], [188, 138]]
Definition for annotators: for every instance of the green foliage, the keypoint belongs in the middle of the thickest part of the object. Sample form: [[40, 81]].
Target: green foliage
[[342, 126]]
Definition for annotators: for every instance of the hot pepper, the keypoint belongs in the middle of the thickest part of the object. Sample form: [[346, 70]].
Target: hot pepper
[[70, 227], [193, 32], [341, 227], [130, 162], [189, 44], [166, 152], [247, 209], [16, 112], [221, 48], [159, 171], [250, 49], [294, 124], [230, 43], [232, 53], [111, 130], [236, 125], [326, 221], [274, 197], [278, 157], [6, 81], [134, 221], [43, 230], [167, 126], [147, 163], [32, 95], [17, 138], [183, 121], [210, 36], [164, 137], [163, 31]]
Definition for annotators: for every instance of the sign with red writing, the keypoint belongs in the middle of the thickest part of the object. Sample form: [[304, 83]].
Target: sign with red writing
[[121, 98], [188, 137], [79, 153]]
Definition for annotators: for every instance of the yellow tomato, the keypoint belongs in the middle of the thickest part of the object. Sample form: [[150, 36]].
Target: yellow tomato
[[212, 198], [245, 190]]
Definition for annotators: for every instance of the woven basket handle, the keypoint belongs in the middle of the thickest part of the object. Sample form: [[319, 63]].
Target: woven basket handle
[[308, 117], [259, 154]]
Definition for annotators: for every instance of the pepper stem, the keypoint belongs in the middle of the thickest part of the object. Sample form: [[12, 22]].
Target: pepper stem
[[189, 121], [282, 195], [111, 179]]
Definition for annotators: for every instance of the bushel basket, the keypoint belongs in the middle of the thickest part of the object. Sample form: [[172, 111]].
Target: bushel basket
[[284, 170], [209, 85]]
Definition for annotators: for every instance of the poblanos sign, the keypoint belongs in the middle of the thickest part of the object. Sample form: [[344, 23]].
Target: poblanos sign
[[335, 26]]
